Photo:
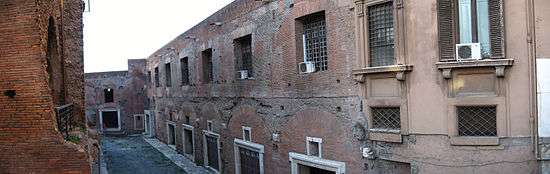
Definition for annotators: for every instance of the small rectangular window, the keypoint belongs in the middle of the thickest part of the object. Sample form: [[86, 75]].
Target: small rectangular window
[[209, 125], [247, 133], [149, 78], [184, 63], [109, 95], [387, 118], [157, 77], [381, 34], [168, 74], [314, 38], [243, 51], [313, 146], [477, 120], [207, 66]]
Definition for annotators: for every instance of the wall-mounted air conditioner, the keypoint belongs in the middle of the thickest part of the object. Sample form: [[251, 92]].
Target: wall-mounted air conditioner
[[468, 51], [307, 67], [243, 74]]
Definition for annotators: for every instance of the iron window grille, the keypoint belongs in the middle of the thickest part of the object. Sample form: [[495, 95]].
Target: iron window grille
[[184, 65], [316, 41], [244, 50], [477, 120], [168, 74], [381, 34], [388, 118]]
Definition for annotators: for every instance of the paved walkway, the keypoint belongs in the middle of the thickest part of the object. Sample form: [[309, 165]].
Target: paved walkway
[[177, 158], [133, 155]]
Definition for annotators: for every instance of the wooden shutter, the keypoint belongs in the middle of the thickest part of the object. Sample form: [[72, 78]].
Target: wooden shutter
[[446, 22], [496, 20]]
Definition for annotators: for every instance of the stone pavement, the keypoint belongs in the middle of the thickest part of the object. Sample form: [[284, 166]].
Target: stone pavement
[[133, 155], [181, 161]]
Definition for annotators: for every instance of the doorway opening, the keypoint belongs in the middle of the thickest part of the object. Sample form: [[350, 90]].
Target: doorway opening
[[188, 141], [110, 120], [212, 151], [171, 128]]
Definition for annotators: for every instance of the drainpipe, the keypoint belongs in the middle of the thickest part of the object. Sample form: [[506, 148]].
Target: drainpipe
[[531, 42]]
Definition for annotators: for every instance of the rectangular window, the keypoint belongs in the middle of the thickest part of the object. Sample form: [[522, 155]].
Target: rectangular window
[[109, 95], [387, 118], [212, 152], [381, 34], [168, 74], [243, 50], [184, 65], [209, 125], [247, 133], [157, 77], [171, 134], [149, 78], [473, 25], [188, 141], [477, 120], [187, 120], [313, 146], [207, 68], [315, 40]]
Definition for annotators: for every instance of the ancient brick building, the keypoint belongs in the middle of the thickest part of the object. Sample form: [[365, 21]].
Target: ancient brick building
[[115, 100], [354, 86], [42, 87]]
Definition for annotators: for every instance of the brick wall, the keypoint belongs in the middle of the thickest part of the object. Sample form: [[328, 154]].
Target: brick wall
[[278, 100], [129, 95], [29, 140]]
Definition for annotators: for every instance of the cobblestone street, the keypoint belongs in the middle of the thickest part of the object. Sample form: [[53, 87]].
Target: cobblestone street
[[134, 155]]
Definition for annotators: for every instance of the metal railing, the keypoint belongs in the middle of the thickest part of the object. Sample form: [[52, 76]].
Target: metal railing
[[64, 116]]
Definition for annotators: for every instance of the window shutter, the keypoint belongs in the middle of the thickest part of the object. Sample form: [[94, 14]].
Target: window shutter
[[496, 19], [446, 22]]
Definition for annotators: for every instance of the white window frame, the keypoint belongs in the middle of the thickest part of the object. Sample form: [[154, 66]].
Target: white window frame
[[205, 148], [316, 140], [238, 143], [168, 123], [192, 129], [245, 128], [312, 161], [101, 120], [142, 121]]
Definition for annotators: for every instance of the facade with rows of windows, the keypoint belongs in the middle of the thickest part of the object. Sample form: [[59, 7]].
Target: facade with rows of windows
[[355, 86]]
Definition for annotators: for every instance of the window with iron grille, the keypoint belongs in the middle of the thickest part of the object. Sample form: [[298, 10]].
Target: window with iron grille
[[168, 74], [315, 40], [207, 76], [157, 81], [477, 120], [386, 118], [381, 34], [243, 49], [184, 65]]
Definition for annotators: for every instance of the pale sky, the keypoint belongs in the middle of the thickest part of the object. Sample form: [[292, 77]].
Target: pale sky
[[117, 30]]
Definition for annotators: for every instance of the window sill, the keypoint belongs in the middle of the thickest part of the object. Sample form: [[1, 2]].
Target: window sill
[[474, 141], [393, 136], [498, 64], [400, 70]]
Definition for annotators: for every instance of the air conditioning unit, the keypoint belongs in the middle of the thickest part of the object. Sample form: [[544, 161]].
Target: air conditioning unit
[[468, 51], [243, 74], [307, 67]]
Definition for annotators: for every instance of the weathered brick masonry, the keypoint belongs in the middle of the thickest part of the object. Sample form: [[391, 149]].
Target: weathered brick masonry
[[278, 100], [33, 33], [129, 96]]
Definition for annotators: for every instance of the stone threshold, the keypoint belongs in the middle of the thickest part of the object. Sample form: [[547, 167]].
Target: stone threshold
[[181, 161]]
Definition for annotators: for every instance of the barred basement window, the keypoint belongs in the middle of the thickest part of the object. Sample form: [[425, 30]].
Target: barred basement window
[[168, 74], [157, 77], [243, 50], [207, 74], [386, 118], [477, 120], [315, 40], [184, 65], [381, 34]]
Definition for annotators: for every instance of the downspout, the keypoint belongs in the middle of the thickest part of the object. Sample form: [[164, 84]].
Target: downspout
[[531, 42]]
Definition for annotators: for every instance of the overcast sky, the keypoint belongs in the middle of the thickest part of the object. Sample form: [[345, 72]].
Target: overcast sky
[[117, 30]]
